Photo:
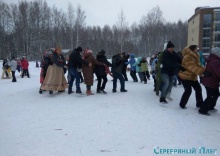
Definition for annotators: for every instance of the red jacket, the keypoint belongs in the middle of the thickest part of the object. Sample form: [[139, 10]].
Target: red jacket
[[24, 64]]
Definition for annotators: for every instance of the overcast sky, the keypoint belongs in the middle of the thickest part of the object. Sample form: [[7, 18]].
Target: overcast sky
[[102, 12]]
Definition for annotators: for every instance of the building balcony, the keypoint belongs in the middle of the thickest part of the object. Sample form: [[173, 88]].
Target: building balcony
[[216, 42], [216, 22], [216, 32]]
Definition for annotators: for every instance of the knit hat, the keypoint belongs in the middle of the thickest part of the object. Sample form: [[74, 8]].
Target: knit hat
[[79, 49], [170, 45], [102, 52], [132, 55], [216, 51]]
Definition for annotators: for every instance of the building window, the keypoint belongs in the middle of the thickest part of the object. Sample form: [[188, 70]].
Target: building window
[[207, 20], [217, 27], [206, 32], [217, 17], [217, 37], [206, 43], [206, 50], [216, 45]]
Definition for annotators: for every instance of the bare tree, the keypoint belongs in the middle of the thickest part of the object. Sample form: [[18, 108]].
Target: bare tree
[[71, 23], [79, 24], [122, 26]]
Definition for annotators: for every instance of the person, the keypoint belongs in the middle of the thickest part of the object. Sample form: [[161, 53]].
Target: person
[[118, 61], [55, 80], [101, 73], [153, 70], [13, 66], [5, 68], [88, 71], [45, 62], [75, 61], [202, 62], [124, 69], [144, 68], [24, 65], [133, 68], [189, 78], [138, 68], [37, 64], [211, 80], [18, 65], [169, 66]]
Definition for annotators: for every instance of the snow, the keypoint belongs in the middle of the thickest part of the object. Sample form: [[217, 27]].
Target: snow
[[116, 124]]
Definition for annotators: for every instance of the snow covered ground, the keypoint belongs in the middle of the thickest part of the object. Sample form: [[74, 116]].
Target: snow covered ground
[[116, 124]]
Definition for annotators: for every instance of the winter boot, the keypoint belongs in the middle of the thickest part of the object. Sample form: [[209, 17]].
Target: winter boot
[[103, 91], [98, 91], [163, 100], [89, 92]]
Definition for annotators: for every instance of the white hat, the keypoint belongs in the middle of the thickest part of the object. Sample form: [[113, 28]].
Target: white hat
[[216, 51]]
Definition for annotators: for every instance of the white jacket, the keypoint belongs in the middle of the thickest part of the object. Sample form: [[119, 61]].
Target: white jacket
[[13, 65]]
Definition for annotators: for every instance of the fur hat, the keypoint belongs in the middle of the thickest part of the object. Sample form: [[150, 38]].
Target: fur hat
[[216, 51], [170, 45]]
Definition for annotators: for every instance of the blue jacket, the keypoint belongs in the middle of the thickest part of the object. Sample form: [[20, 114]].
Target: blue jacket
[[138, 68], [131, 62]]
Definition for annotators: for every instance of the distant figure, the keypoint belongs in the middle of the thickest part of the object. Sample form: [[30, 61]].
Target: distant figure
[[37, 65], [18, 64], [13, 66], [25, 65], [5, 68]]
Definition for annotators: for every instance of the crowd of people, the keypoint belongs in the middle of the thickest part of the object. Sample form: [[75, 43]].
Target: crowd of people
[[10, 66], [166, 67], [187, 66]]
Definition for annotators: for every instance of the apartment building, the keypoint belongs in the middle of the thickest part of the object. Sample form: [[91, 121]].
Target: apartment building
[[204, 28]]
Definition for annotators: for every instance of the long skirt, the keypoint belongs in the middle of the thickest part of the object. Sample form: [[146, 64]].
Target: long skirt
[[54, 79]]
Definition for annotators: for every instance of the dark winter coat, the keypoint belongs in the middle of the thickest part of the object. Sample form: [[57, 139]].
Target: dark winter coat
[[75, 60], [170, 63], [212, 73], [88, 71], [100, 69], [118, 63], [24, 64]]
